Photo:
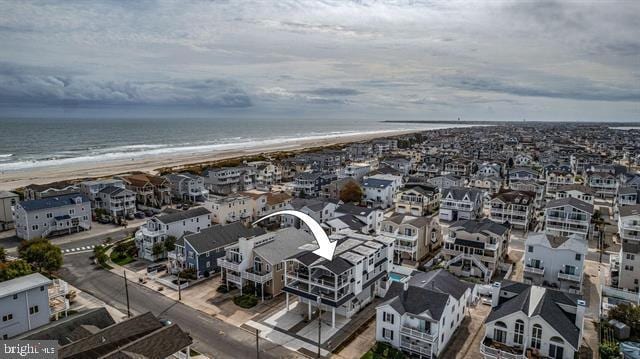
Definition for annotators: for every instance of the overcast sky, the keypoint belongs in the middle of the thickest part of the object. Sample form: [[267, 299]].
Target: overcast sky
[[433, 60]]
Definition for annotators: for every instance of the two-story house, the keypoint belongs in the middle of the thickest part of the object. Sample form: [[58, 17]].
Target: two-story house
[[513, 207], [567, 216], [421, 316], [150, 190], [309, 184], [476, 248], [151, 235], [528, 321], [415, 237], [417, 200], [555, 261], [52, 216], [460, 203], [371, 217]]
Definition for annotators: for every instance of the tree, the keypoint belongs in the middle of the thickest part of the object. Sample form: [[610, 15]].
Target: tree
[[628, 314], [609, 351], [351, 192], [41, 254], [157, 249], [14, 269], [3, 255], [170, 243], [100, 254]]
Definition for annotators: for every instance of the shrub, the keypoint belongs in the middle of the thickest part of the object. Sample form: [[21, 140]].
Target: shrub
[[246, 301]]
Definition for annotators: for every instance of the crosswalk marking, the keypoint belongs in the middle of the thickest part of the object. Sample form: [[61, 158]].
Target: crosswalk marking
[[78, 249]]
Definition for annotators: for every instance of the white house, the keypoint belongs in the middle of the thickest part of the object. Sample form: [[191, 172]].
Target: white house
[[7, 201], [174, 224], [421, 316], [379, 192], [232, 208], [568, 216], [529, 321], [460, 203], [578, 191], [28, 302], [187, 186], [371, 217], [117, 201], [555, 261], [627, 275], [52, 216]]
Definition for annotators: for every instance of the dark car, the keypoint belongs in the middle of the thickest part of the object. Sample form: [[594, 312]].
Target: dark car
[[148, 213], [156, 267], [140, 215], [104, 220]]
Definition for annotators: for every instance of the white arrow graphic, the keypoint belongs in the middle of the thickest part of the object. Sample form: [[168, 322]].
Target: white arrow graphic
[[327, 248]]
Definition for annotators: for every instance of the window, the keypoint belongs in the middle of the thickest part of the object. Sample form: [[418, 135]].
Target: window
[[49, 215], [34, 227], [556, 349], [387, 334], [631, 256], [518, 334], [536, 336], [42, 288], [578, 256], [530, 249], [388, 317], [500, 332], [33, 310], [15, 296], [7, 317]]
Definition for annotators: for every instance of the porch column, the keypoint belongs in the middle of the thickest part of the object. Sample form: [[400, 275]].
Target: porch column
[[333, 317], [309, 302], [287, 300], [262, 291]]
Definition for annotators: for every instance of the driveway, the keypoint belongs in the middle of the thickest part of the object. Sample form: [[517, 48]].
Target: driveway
[[466, 340]]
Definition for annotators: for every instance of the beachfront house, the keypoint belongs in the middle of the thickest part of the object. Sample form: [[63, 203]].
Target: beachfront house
[[232, 208], [7, 202], [187, 186], [40, 191], [52, 216], [150, 190]]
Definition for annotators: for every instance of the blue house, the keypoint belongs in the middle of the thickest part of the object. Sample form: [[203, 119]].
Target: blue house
[[201, 250]]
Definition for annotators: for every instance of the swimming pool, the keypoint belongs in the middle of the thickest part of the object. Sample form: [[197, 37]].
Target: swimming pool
[[396, 277]]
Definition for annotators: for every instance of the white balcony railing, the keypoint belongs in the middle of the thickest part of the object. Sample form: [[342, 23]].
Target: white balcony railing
[[234, 278], [490, 352], [570, 277], [534, 270], [257, 278], [415, 348], [408, 249], [224, 263], [430, 337]]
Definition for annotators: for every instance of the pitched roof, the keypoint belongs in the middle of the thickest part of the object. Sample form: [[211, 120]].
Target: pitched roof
[[182, 215], [538, 301], [220, 235], [458, 193], [629, 210], [72, 328], [574, 202], [349, 208], [479, 226], [440, 280], [576, 187], [161, 343], [52, 202]]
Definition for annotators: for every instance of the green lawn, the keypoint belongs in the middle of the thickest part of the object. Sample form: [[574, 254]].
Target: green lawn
[[383, 351], [246, 300], [120, 258]]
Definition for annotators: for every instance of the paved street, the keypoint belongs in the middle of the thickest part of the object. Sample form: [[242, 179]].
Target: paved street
[[212, 336]]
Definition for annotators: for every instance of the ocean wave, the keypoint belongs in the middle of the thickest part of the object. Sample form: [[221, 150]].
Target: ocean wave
[[6, 155], [138, 151]]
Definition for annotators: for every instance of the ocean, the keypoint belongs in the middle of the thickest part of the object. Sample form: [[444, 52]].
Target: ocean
[[33, 143]]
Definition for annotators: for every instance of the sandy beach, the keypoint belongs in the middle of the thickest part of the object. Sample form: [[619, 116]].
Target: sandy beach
[[10, 180]]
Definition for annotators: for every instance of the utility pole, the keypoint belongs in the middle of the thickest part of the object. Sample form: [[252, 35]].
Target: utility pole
[[319, 325], [179, 287], [126, 291], [257, 344]]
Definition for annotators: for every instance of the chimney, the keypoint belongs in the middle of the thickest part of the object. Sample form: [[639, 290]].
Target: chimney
[[495, 294], [580, 309]]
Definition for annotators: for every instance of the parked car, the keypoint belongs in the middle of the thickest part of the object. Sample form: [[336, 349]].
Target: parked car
[[148, 213], [140, 215], [156, 267], [105, 219], [185, 207]]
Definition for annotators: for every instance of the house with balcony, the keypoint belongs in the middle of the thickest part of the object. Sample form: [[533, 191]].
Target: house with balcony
[[513, 207], [91, 189], [523, 159], [54, 189], [528, 321], [556, 262], [359, 151], [625, 274], [150, 190], [460, 167], [226, 180], [489, 169], [231, 208], [403, 165], [535, 186], [578, 191], [417, 200], [200, 251], [263, 203], [475, 248], [333, 189], [605, 184], [371, 217], [29, 302], [172, 224], [355, 170], [309, 184], [344, 285], [116, 201], [421, 316], [379, 190], [415, 237], [460, 203], [627, 196], [567, 216], [52, 216], [256, 261], [187, 186], [384, 145], [522, 174], [557, 179], [489, 184], [8, 200], [446, 181], [321, 210]]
